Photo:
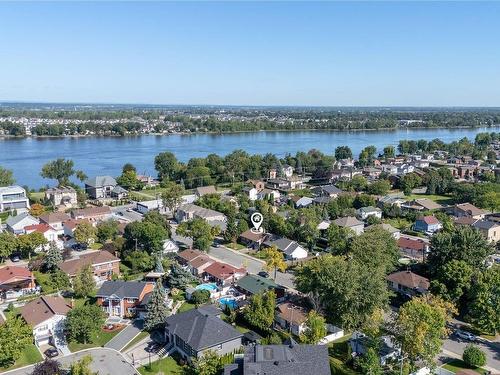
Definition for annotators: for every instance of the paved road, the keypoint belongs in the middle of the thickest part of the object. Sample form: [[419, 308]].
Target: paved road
[[122, 213], [492, 350], [104, 361], [237, 260], [125, 336]]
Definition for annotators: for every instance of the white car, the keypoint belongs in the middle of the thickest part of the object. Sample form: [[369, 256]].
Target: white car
[[464, 335]]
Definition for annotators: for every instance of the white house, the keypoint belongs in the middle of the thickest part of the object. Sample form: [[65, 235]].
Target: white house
[[146, 206], [13, 198], [55, 220], [291, 249], [50, 234], [251, 192], [365, 212], [46, 315], [170, 246], [16, 224]]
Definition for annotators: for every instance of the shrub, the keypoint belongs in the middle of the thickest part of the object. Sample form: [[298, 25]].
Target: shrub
[[473, 356]]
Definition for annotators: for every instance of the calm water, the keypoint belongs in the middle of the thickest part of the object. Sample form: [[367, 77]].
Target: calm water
[[106, 155]]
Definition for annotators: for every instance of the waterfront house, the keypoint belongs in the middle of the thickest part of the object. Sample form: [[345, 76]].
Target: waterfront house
[[427, 224], [16, 224], [62, 196], [16, 281], [290, 359], [13, 198], [101, 187], [123, 298], [194, 332], [46, 315], [408, 283], [103, 265]]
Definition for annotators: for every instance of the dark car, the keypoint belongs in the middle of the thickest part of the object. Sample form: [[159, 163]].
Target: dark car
[[79, 246], [51, 352], [16, 257], [263, 274]]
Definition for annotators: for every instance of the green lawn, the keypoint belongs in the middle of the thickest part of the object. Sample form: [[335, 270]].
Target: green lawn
[[136, 339], [98, 339], [441, 199], [235, 246], [186, 306], [456, 365], [30, 355], [165, 366]]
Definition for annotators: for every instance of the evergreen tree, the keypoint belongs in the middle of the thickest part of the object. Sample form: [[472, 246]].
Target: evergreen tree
[[52, 258], [156, 309], [178, 277], [158, 263]]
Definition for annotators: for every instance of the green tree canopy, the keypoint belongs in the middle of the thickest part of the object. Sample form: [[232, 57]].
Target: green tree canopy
[[15, 336], [156, 309], [83, 322], [474, 356], [200, 231], [6, 177], [484, 306], [315, 328], [59, 169], [84, 283], [260, 311]]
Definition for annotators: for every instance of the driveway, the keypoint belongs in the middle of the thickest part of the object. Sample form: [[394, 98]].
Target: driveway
[[455, 348], [125, 336], [104, 362]]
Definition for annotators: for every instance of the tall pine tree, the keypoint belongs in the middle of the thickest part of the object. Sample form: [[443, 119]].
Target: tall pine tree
[[156, 309], [52, 258]]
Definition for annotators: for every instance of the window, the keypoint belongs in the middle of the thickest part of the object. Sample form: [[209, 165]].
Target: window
[[130, 300]]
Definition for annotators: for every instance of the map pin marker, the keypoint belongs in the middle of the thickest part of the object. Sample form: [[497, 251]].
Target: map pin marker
[[256, 220]]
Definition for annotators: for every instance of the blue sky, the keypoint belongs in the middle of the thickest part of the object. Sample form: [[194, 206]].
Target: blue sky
[[278, 53]]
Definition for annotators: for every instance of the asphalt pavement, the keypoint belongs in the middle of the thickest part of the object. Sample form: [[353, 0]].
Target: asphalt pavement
[[125, 336], [454, 347], [104, 361]]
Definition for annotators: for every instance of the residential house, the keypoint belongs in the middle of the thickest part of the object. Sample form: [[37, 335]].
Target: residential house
[[396, 233], [185, 256], [291, 249], [292, 359], [422, 204], [358, 227], [251, 192], [269, 193], [13, 198], [223, 274], [46, 315], [252, 239], [70, 225], [392, 200], [190, 211], [62, 196], [92, 214], [427, 224], [204, 190], [103, 264], [255, 284], [467, 210], [326, 191], [490, 229], [100, 187], [301, 202], [145, 206], [16, 281], [257, 184], [169, 247], [16, 224], [55, 220], [388, 349], [194, 332], [50, 234], [148, 181], [198, 265], [291, 317], [408, 283], [365, 212], [123, 298], [412, 247]]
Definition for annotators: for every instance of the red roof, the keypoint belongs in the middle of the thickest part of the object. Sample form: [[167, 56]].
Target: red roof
[[430, 220], [223, 271], [41, 228], [14, 273], [411, 243]]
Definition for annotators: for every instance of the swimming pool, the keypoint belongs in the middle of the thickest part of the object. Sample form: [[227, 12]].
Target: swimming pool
[[229, 302], [211, 287]]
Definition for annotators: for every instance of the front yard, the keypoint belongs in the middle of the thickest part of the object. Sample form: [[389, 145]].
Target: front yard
[[98, 339], [30, 355], [457, 365], [165, 366]]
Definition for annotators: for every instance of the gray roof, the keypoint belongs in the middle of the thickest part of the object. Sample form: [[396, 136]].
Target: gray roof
[[100, 181], [13, 220], [201, 329], [283, 244], [484, 224], [121, 289], [347, 221], [286, 359], [119, 190], [328, 189]]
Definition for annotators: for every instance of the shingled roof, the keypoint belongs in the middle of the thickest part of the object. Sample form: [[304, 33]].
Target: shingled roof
[[201, 329], [43, 308]]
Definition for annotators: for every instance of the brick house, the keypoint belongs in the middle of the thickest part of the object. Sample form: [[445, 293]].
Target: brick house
[[104, 265], [123, 298]]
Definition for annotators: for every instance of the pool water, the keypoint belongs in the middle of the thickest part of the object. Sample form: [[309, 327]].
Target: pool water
[[230, 302], [207, 286]]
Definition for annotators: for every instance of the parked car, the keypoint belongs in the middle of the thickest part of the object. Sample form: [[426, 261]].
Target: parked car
[[464, 335], [79, 246], [51, 352], [16, 257], [263, 274]]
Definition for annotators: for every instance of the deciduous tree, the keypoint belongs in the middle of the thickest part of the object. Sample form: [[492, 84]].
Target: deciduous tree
[[6, 177], [15, 335], [84, 282], [274, 260], [85, 233], [260, 311], [200, 231], [315, 328], [83, 322], [474, 356], [172, 195], [485, 301], [59, 169]]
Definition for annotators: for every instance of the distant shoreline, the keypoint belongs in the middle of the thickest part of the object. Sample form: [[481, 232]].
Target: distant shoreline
[[6, 137]]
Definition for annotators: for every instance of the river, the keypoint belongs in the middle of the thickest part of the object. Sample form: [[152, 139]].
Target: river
[[106, 155]]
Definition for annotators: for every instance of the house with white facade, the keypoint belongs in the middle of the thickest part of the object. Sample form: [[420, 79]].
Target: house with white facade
[[47, 316], [13, 198], [16, 224]]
